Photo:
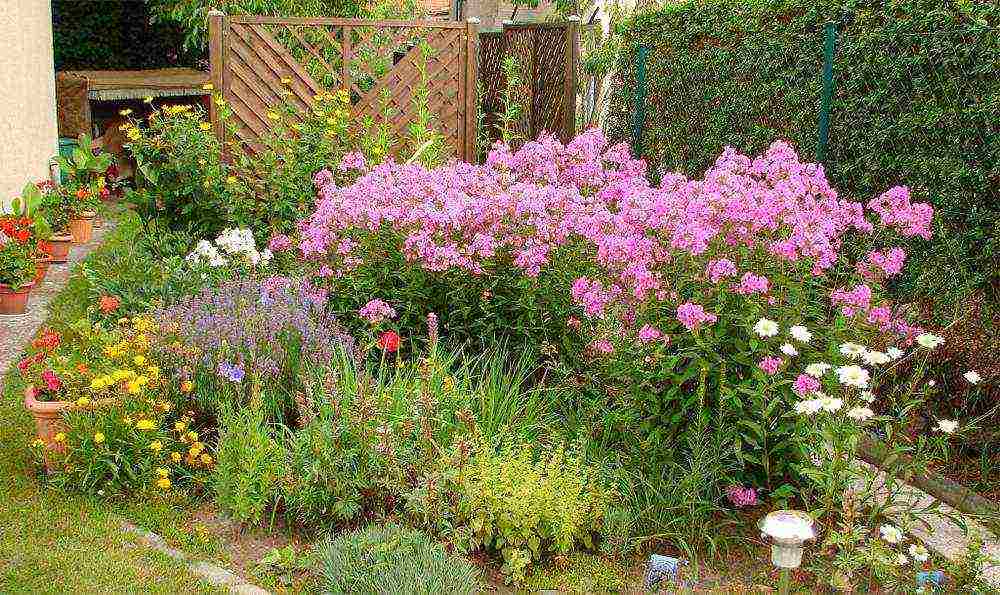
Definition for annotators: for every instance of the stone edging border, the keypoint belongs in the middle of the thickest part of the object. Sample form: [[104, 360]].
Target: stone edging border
[[210, 573]]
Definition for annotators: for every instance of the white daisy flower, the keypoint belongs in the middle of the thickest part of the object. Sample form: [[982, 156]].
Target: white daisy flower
[[789, 350], [766, 328], [800, 333], [972, 376], [855, 376], [818, 369], [918, 552], [831, 404], [852, 350], [891, 534], [894, 352], [947, 426], [929, 340], [809, 407], [860, 413], [902, 560], [875, 358]]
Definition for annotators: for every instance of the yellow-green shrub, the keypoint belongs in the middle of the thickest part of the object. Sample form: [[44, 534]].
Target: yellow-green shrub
[[525, 506]]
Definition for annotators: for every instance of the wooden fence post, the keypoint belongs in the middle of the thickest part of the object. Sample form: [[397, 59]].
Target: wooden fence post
[[217, 27], [572, 59], [345, 66], [471, 91]]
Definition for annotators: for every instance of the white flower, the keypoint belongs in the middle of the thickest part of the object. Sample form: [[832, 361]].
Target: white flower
[[902, 560], [891, 534], [789, 350], [266, 255], [818, 369], [852, 350], [766, 328], [860, 413], [831, 404], [875, 358], [929, 340], [894, 352], [947, 426], [809, 407], [855, 376], [918, 552], [800, 333], [973, 377], [867, 396], [932, 383]]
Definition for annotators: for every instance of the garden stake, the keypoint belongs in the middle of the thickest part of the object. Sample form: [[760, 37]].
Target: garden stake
[[824, 114]]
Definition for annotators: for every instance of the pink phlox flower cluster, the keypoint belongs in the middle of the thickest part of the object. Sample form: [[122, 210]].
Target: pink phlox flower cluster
[[740, 496], [377, 311], [751, 284], [279, 243], [693, 316], [895, 210], [649, 333], [592, 295], [770, 365], [853, 300], [353, 161], [720, 269], [805, 385], [888, 263]]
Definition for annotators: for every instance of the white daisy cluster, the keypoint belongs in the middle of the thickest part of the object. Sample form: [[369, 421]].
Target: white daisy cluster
[[232, 244]]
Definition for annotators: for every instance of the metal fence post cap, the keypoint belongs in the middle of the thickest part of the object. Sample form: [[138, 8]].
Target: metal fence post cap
[[473, 20], [215, 12]]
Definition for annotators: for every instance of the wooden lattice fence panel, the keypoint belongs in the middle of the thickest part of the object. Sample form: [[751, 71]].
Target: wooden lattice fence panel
[[261, 62], [547, 56]]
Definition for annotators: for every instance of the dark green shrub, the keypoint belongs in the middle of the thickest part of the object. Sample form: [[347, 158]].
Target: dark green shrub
[[391, 559], [916, 102]]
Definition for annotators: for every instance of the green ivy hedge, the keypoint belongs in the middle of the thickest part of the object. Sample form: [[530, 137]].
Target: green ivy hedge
[[916, 102], [114, 35]]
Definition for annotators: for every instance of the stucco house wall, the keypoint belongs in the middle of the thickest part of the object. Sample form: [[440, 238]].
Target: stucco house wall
[[28, 137]]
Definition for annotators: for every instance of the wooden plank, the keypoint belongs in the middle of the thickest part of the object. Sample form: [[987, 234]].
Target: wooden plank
[[216, 50], [572, 57], [266, 56], [345, 59], [262, 20], [309, 48], [471, 58], [287, 58]]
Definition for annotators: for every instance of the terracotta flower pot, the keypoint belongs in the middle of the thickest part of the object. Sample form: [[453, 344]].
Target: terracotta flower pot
[[14, 301], [58, 247], [42, 267], [82, 228], [49, 420]]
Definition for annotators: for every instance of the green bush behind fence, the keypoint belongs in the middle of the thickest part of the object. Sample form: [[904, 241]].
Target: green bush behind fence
[[915, 101]]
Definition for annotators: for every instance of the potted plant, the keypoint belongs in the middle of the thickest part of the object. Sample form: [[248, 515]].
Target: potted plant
[[82, 206], [26, 223], [86, 170], [56, 208], [17, 274]]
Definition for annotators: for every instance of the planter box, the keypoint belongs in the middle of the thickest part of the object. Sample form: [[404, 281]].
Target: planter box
[[14, 301], [57, 247]]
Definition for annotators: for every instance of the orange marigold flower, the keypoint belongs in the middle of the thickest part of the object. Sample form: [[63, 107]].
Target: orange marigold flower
[[108, 303]]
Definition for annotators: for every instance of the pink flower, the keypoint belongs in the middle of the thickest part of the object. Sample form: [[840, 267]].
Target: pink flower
[[279, 243], [376, 311], [720, 269], [602, 347], [355, 161], [52, 382], [648, 334], [895, 210], [740, 496], [770, 365], [693, 315], [751, 283], [804, 384]]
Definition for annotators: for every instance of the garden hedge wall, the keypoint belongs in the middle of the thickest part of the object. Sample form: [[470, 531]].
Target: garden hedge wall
[[114, 35], [916, 102]]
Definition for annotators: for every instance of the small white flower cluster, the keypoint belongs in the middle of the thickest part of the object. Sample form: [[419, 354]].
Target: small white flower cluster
[[893, 536], [231, 244]]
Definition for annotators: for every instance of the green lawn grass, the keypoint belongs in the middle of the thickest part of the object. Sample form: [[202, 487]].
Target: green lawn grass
[[52, 542]]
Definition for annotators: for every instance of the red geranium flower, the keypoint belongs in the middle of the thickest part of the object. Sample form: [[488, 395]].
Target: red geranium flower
[[82, 193], [389, 341], [108, 303], [52, 381], [48, 340]]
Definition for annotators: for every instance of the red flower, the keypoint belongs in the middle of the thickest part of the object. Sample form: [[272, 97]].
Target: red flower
[[52, 381], [389, 341], [82, 193], [108, 303], [48, 340]]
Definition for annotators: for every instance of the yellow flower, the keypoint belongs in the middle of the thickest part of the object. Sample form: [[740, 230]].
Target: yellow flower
[[97, 383], [163, 483], [219, 101], [192, 436], [208, 86], [133, 134], [180, 426], [165, 405], [162, 471], [99, 437], [317, 98], [343, 96], [205, 126], [154, 371], [147, 99], [38, 443], [231, 180], [82, 402], [156, 446], [273, 116], [127, 420], [206, 459], [60, 437], [286, 80], [125, 112], [145, 424], [175, 457], [187, 386], [133, 387], [139, 360], [196, 449]]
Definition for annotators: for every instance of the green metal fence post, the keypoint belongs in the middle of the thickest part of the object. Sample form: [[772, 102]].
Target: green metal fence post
[[824, 114], [639, 114]]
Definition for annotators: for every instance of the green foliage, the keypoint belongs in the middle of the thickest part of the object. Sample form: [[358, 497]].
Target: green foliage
[[30, 205], [915, 102], [513, 101], [391, 559], [85, 167], [17, 266], [119, 36], [525, 507], [249, 464]]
